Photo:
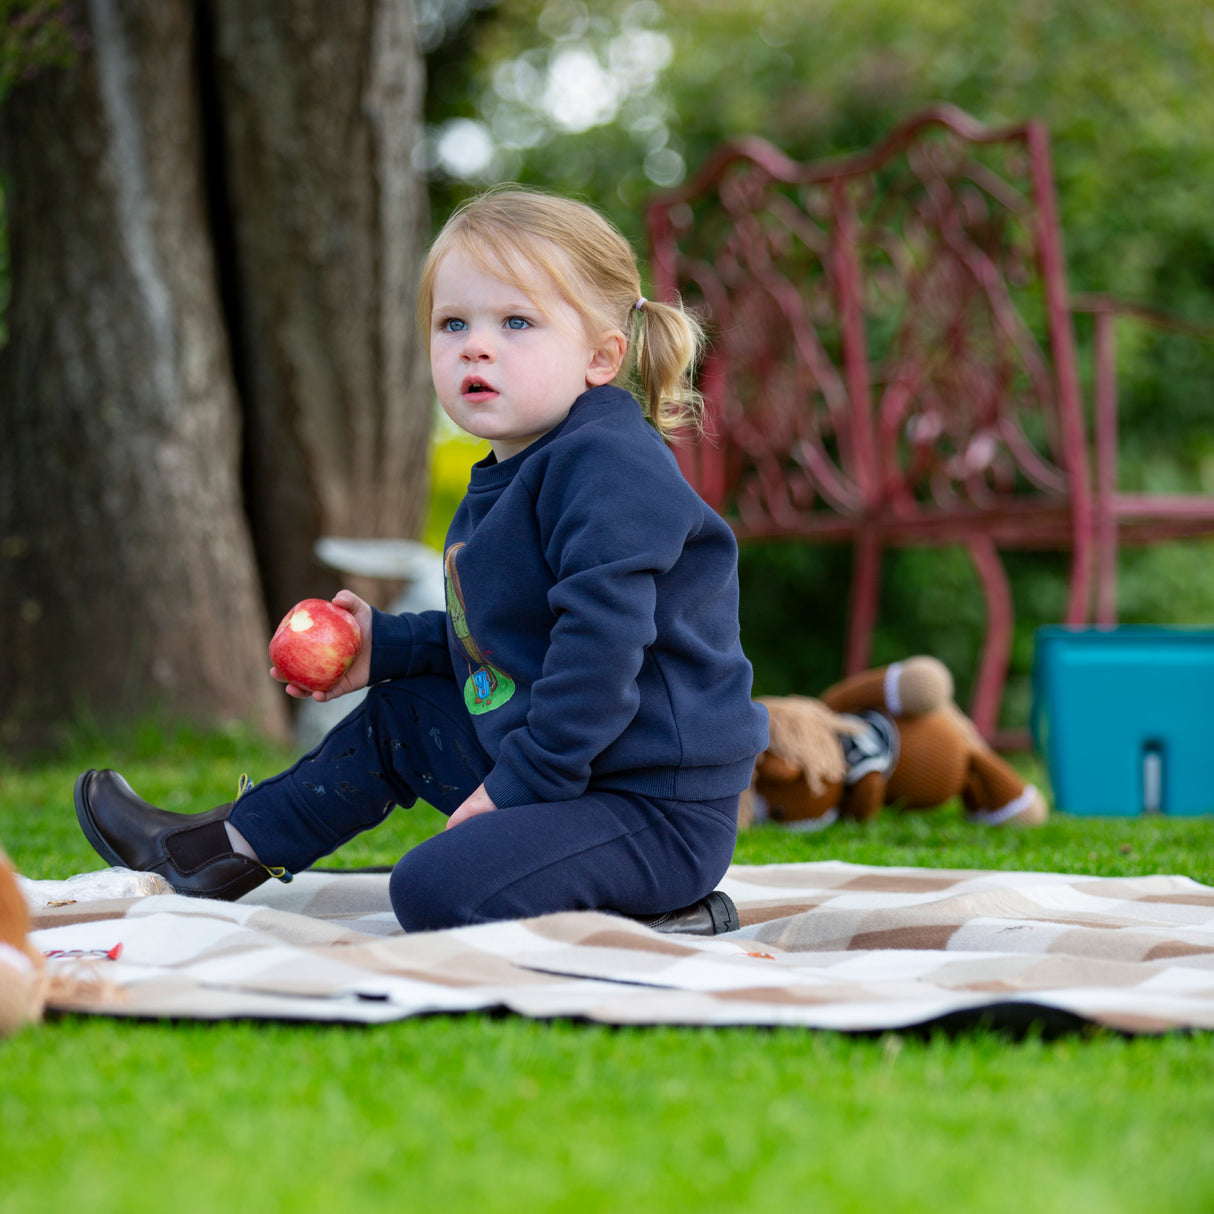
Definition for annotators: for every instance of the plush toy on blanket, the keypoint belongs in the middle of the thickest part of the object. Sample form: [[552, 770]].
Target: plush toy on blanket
[[891, 736], [22, 974]]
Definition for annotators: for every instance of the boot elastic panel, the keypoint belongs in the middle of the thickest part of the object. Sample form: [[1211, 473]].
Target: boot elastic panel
[[195, 847]]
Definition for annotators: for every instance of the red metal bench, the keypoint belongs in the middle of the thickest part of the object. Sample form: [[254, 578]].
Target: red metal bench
[[893, 363]]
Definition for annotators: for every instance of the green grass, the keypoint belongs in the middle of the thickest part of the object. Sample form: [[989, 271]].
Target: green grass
[[492, 1114]]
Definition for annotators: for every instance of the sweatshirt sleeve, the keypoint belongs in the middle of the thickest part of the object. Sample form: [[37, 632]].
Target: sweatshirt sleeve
[[612, 523], [409, 644]]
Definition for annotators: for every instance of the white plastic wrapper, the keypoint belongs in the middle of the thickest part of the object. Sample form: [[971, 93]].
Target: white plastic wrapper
[[91, 887]]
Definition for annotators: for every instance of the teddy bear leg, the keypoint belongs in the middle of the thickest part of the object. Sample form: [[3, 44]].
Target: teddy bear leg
[[995, 795], [908, 688], [862, 800]]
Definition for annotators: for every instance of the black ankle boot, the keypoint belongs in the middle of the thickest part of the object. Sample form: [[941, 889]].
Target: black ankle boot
[[191, 852], [708, 917]]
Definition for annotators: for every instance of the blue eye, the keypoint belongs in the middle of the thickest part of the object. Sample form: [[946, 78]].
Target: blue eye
[[517, 322], [454, 325]]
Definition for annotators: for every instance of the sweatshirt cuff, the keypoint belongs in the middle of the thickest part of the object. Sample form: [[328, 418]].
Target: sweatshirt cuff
[[505, 788], [403, 645]]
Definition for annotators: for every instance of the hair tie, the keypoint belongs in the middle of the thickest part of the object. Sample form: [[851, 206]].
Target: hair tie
[[640, 303]]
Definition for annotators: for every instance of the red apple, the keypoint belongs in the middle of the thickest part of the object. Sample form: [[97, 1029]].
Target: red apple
[[315, 644]]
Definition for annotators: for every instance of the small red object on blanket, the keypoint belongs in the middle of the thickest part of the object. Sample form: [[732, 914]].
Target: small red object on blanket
[[111, 954]]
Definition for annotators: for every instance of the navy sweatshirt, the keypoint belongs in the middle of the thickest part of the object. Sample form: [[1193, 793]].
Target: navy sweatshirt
[[592, 619]]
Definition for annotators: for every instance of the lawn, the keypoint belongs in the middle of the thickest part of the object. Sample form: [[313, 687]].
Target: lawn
[[502, 1114]]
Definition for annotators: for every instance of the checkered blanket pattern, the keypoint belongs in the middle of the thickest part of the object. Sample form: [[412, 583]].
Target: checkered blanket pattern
[[822, 945]]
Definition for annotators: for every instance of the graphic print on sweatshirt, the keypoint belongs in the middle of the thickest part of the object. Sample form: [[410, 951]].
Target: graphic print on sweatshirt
[[487, 687]]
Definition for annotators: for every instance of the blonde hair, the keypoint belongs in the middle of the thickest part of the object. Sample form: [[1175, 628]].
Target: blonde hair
[[535, 237]]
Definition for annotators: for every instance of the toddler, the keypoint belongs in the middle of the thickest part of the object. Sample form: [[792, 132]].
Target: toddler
[[582, 709]]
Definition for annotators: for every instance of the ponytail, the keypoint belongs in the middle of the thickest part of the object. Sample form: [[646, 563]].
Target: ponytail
[[669, 342]]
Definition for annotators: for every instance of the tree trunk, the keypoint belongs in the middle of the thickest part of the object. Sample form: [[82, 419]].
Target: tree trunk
[[139, 255], [127, 578], [320, 106]]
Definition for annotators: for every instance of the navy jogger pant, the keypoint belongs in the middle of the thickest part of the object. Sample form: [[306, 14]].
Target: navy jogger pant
[[411, 739]]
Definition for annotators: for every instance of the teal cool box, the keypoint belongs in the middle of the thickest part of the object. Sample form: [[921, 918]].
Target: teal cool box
[[1124, 718]]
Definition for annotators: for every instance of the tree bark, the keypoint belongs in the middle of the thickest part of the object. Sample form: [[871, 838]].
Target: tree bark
[[127, 580], [320, 106], [128, 575]]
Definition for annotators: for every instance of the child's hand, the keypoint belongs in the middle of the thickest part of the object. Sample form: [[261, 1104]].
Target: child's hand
[[477, 803], [359, 672]]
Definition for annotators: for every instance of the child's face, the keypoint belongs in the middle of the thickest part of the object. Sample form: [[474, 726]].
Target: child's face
[[508, 365]]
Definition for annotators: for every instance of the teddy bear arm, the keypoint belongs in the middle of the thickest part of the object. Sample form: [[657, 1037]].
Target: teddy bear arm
[[910, 688], [859, 693]]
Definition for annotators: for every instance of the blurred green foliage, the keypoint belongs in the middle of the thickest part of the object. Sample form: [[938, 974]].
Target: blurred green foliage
[[1124, 89], [452, 454], [1122, 85], [36, 34]]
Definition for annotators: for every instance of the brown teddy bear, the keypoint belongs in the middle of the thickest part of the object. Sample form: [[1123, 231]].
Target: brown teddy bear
[[22, 971], [891, 736]]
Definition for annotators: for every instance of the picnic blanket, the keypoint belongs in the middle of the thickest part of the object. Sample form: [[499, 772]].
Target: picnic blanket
[[823, 945]]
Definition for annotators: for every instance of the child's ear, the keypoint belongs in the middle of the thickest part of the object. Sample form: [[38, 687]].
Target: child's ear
[[606, 360]]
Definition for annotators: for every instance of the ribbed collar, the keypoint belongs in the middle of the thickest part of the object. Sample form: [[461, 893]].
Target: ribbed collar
[[488, 473]]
